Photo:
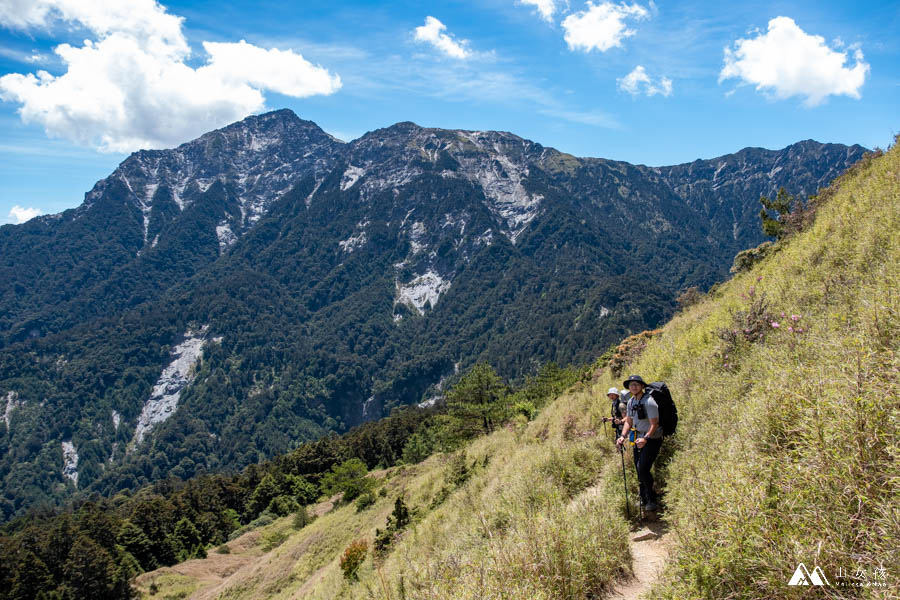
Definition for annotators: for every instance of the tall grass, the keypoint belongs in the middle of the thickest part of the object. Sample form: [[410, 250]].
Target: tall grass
[[787, 448], [786, 453], [534, 510], [534, 520]]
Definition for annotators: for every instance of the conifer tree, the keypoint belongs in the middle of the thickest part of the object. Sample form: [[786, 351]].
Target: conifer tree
[[781, 205], [477, 400]]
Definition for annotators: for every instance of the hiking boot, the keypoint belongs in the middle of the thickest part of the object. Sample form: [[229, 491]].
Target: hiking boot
[[651, 507]]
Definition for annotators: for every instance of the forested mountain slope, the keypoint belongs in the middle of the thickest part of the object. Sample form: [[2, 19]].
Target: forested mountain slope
[[786, 379], [217, 304]]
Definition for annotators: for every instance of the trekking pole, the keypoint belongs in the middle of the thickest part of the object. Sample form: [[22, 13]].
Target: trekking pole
[[625, 480], [640, 501]]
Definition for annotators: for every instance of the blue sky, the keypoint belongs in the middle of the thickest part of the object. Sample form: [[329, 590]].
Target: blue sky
[[85, 82]]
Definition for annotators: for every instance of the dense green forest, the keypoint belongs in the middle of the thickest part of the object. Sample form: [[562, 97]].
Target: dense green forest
[[94, 548], [521, 255]]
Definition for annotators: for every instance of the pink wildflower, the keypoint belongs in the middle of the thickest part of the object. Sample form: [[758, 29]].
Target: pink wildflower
[[791, 329], [795, 318], [775, 324]]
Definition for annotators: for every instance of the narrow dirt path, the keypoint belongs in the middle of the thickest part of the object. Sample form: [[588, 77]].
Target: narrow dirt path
[[649, 549]]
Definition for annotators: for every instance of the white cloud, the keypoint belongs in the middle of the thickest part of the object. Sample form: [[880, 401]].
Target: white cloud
[[545, 7], [281, 71], [432, 32], [37, 58], [786, 61], [638, 82], [601, 26], [20, 214], [131, 88], [23, 57]]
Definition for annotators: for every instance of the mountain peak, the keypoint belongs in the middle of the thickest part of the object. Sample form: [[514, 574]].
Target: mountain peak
[[259, 158]]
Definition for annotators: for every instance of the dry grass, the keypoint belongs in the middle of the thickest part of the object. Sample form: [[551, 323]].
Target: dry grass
[[540, 516], [789, 453]]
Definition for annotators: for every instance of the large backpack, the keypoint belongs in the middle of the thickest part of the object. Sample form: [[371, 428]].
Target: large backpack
[[668, 414]]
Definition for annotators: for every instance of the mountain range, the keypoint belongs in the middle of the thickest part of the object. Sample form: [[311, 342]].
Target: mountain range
[[216, 304]]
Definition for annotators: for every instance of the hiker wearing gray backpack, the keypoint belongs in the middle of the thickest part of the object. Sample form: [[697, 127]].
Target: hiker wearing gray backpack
[[642, 427]]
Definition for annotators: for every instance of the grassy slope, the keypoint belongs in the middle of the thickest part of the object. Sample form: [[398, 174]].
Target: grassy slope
[[789, 454], [538, 517], [786, 453]]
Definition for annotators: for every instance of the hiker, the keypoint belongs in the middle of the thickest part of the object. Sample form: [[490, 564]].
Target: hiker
[[642, 415], [617, 410]]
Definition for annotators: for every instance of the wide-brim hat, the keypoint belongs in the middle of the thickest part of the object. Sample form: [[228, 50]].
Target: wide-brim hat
[[612, 391], [637, 378]]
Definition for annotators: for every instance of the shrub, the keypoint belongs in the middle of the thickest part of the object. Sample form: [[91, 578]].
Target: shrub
[[396, 523], [745, 259], [689, 297], [630, 348], [570, 427], [301, 518], [458, 471], [348, 478], [273, 539], [353, 557], [283, 506], [365, 501], [747, 327], [526, 409]]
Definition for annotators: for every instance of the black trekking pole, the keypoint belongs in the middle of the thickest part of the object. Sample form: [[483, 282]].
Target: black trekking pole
[[640, 500], [625, 480]]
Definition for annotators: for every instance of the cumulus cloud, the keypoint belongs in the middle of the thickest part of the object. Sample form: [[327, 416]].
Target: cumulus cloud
[[432, 32], [786, 61], [546, 8], [601, 26], [131, 86], [638, 82], [20, 214]]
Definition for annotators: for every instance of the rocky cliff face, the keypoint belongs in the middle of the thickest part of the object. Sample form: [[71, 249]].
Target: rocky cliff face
[[258, 159], [726, 190]]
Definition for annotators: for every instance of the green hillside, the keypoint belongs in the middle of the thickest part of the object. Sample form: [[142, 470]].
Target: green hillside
[[789, 436], [787, 380], [306, 286], [515, 514]]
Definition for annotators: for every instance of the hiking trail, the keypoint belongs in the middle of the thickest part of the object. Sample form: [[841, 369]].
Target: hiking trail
[[649, 550]]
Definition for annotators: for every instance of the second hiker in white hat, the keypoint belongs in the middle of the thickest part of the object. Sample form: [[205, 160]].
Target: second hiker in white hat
[[617, 410]]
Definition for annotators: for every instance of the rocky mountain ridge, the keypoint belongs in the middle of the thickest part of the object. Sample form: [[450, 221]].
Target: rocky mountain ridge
[[338, 281]]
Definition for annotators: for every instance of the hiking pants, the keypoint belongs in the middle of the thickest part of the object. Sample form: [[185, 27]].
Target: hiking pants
[[643, 460]]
